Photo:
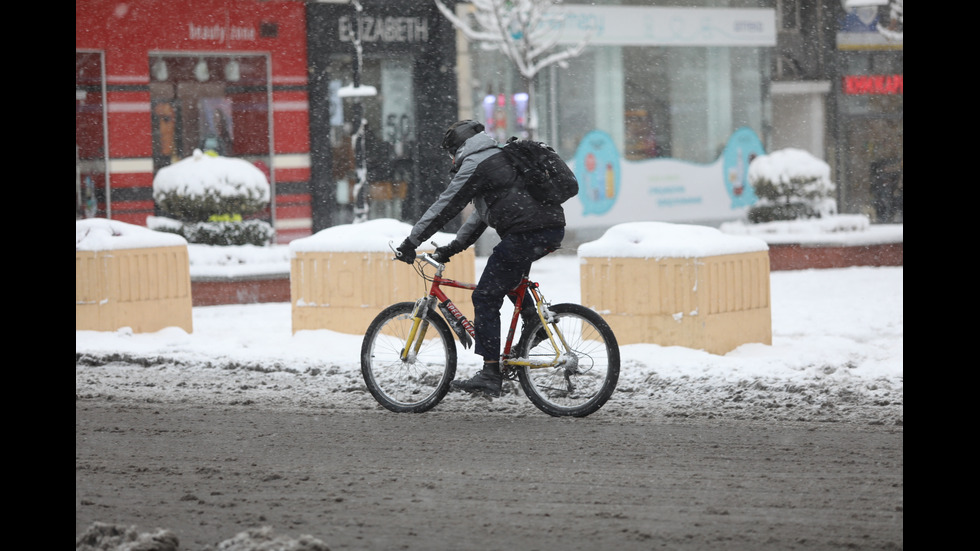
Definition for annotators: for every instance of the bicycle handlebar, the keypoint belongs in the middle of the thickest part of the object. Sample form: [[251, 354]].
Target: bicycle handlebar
[[426, 257]]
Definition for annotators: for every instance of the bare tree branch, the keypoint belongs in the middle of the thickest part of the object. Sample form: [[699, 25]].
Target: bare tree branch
[[525, 31]]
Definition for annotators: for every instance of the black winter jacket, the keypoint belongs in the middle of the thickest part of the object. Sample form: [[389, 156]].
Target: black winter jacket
[[484, 175]]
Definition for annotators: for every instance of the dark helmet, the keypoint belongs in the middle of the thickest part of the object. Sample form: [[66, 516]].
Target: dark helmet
[[459, 132]]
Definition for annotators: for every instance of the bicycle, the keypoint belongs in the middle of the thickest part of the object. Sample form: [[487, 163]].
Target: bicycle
[[570, 367]]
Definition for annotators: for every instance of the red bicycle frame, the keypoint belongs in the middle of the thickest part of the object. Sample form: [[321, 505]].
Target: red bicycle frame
[[519, 293]]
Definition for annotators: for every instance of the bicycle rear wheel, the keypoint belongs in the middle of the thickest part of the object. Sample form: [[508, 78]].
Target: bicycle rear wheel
[[416, 384], [589, 373]]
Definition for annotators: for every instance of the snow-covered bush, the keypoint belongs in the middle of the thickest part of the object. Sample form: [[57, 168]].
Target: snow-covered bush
[[791, 184], [206, 199]]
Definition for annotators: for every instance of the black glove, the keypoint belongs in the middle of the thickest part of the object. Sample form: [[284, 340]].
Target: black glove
[[406, 252], [443, 253]]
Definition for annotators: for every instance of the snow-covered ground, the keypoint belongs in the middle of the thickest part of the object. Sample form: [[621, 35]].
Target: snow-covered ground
[[836, 355]]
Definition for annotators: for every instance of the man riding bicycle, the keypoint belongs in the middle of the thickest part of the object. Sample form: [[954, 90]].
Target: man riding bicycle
[[528, 230]]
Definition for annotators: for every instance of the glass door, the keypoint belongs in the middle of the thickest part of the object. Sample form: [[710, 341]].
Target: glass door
[[390, 136]]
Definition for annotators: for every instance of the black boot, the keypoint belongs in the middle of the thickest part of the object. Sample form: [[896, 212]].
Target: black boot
[[539, 335], [488, 381], [530, 319]]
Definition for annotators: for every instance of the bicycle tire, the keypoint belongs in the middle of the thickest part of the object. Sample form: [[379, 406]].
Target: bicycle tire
[[586, 386], [415, 385]]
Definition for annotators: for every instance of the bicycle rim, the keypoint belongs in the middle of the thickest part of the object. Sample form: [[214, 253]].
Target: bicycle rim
[[589, 376], [418, 383]]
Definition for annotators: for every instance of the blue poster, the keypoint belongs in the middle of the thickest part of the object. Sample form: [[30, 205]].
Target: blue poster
[[598, 172], [743, 146], [614, 190]]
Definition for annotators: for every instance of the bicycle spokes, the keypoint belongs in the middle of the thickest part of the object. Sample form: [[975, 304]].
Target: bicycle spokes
[[575, 370], [408, 362]]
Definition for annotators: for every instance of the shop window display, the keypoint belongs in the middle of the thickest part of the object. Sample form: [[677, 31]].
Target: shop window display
[[390, 137], [219, 104]]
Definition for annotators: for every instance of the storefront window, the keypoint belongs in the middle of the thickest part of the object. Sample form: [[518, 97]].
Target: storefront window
[[215, 103], [655, 102], [212, 103], [390, 137], [656, 91], [499, 98], [871, 104]]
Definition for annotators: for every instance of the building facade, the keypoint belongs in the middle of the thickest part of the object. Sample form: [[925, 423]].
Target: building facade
[[838, 92], [407, 64], [660, 114], [156, 80], [869, 94], [259, 80]]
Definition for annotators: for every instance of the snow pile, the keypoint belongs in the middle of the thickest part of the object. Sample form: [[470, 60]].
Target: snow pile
[[102, 536], [238, 260], [380, 235], [788, 165], [838, 230], [810, 226], [100, 234], [664, 240], [836, 354]]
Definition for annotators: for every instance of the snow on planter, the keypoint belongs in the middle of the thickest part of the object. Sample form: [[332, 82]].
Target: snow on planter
[[679, 285], [342, 277], [128, 276]]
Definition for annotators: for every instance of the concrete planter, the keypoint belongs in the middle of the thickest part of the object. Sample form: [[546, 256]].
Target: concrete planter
[[146, 288], [336, 288], [662, 285]]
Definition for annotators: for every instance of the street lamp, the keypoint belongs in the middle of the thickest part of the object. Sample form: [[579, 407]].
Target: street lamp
[[356, 92]]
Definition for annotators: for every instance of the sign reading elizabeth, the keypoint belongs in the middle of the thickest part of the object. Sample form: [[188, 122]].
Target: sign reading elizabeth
[[383, 29]]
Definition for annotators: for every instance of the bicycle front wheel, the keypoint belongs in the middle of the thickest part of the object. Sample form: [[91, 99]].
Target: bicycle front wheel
[[589, 370], [420, 381]]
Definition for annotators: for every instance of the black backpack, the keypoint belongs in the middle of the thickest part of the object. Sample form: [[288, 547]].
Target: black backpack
[[546, 176]]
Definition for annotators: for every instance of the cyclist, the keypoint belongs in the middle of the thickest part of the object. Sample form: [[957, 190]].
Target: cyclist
[[528, 230]]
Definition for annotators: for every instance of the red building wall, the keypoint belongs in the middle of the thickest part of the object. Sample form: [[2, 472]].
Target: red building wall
[[128, 34]]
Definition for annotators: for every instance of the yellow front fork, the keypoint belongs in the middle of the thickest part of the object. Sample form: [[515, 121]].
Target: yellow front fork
[[416, 335]]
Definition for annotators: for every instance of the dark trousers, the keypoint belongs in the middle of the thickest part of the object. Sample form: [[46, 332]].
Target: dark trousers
[[509, 262]]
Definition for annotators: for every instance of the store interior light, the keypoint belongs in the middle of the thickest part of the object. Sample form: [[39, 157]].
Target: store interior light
[[160, 69], [233, 71], [201, 71]]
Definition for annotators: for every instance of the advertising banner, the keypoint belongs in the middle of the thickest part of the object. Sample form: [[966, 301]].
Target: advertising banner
[[613, 190]]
